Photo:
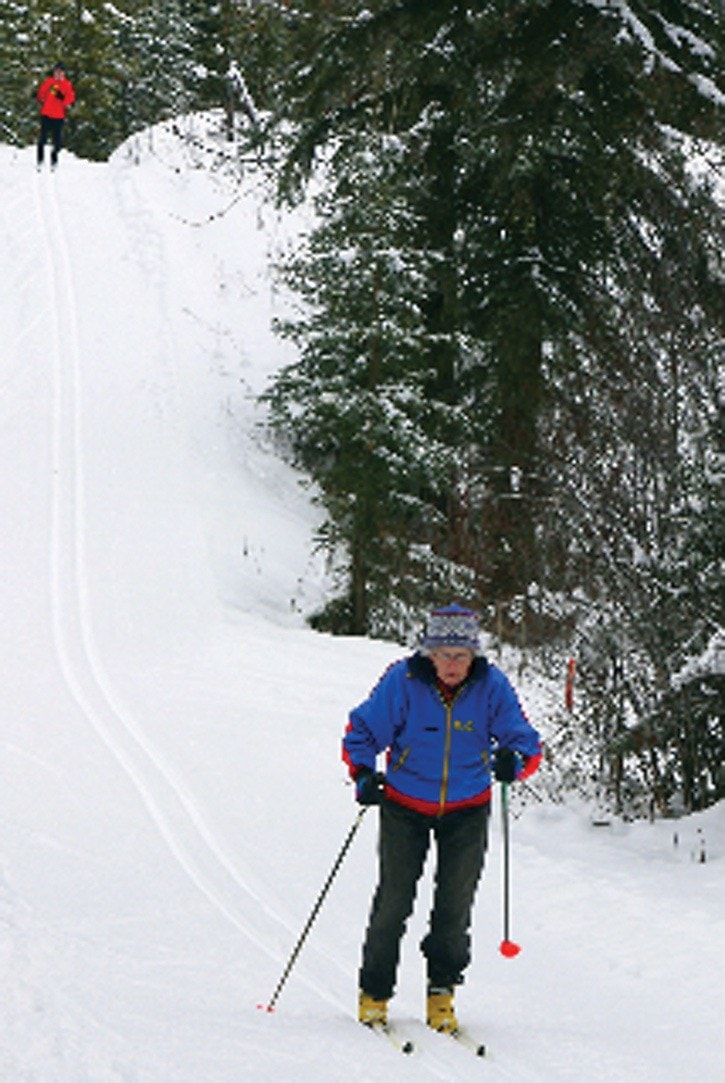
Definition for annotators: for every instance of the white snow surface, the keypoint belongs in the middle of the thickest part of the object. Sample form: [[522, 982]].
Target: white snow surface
[[171, 792]]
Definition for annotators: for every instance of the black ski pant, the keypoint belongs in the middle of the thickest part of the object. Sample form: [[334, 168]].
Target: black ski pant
[[50, 126], [461, 839]]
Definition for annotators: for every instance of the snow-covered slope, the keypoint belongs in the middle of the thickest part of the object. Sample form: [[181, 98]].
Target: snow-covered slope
[[171, 797]]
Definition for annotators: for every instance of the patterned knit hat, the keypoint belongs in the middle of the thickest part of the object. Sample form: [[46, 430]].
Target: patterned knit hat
[[451, 626]]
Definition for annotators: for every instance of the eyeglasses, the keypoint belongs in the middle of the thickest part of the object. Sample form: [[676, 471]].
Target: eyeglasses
[[458, 657]]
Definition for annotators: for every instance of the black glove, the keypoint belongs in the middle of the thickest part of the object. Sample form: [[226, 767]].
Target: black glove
[[369, 787], [506, 764]]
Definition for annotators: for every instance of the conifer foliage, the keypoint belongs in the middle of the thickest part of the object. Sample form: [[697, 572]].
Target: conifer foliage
[[507, 358]]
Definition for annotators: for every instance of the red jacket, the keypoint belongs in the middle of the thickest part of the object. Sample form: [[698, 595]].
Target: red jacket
[[55, 95]]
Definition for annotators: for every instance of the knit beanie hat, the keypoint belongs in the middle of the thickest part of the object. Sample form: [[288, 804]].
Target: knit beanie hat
[[451, 626]]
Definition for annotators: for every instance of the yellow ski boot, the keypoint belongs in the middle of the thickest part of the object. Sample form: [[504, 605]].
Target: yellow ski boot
[[372, 1012], [439, 1010]]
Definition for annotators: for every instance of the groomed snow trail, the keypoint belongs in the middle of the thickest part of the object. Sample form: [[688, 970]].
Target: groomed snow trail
[[167, 799]]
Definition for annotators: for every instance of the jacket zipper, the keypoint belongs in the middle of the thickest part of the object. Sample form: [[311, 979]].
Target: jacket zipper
[[447, 753], [401, 759]]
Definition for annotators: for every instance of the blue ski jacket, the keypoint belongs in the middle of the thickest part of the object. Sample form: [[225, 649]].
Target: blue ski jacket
[[439, 747]]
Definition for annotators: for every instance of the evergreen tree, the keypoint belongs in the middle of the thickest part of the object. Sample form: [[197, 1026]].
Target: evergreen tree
[[523, 128], [217, 45], [17, 87], [162, 80], [633, 437], [356, 406]]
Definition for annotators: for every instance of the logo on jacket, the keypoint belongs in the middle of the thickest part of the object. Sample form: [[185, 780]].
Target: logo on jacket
[[467, 727]]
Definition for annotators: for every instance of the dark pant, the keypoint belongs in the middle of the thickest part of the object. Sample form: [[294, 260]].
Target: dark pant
[[461, 839], [52, 126]]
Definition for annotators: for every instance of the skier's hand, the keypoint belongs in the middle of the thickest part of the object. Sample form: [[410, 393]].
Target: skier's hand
[[506, 764], [369, 787]]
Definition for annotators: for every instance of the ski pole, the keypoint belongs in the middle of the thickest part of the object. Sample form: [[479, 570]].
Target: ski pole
[[508, 947], [315, 911]]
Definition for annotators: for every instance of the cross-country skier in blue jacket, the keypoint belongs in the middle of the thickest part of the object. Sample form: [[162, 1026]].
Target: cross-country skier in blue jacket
[[449, 723]]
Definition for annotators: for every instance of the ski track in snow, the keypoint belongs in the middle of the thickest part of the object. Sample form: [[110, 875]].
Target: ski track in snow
[[169, 802]]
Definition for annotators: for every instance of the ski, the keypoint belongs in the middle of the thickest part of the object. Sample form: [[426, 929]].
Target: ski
[[405, 1044], [465, 1039], [469, 1042], [399, 1041]]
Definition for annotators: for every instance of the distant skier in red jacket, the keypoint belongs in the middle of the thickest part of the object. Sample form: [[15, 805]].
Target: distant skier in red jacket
[[55, 95]]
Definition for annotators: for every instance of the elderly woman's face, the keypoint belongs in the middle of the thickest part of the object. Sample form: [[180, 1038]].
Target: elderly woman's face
[[451, 664]]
